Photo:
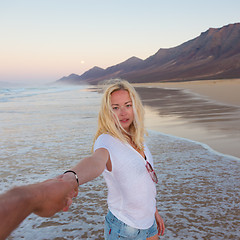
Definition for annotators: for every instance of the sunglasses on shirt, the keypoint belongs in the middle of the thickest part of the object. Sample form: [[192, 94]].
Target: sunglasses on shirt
[[151, 171]]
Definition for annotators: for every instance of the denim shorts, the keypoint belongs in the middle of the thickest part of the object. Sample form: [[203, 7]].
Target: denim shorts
[[116, 229]]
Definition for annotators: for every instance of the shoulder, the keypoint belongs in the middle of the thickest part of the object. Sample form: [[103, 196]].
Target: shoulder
[[105, 138], [105, 141]]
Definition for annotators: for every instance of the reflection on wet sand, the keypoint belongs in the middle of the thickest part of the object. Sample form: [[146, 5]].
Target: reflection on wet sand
[[184, 114]]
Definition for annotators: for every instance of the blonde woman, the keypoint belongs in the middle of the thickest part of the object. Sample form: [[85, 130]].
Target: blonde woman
[[121, 155]]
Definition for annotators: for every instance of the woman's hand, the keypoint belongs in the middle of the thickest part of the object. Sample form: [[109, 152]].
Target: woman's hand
[[69, 177], [160, 223]]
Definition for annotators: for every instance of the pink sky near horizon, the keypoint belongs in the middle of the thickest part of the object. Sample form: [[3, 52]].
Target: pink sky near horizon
[[42, 41]]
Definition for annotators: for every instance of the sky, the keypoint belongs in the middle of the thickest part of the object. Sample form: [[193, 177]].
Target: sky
[[44, 40]]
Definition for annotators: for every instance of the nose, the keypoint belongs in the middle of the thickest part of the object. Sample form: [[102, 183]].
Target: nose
[[123, 110]]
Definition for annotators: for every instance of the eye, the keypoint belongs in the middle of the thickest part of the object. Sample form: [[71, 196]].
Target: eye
[[115, 108], [129, 105]]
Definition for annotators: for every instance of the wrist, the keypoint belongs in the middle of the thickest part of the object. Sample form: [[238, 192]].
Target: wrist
[[73, 173]]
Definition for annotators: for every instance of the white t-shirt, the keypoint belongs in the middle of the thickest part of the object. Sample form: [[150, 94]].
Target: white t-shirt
[[131, 191]]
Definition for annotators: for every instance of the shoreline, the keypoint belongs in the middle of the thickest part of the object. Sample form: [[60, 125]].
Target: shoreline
[[223, 91], [198, 111]]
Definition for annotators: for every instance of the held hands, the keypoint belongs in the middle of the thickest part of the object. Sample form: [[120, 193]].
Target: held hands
[[44, 199], [73, 193], [54, 195]]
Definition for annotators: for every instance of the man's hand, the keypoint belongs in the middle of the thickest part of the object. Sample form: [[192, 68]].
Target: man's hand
[[44, 199], [54, 195]]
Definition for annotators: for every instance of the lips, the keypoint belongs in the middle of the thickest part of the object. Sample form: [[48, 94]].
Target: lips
[[124, 120]]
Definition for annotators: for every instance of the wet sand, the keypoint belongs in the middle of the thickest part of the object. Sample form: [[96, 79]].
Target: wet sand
[[198, 190], [203, 111]]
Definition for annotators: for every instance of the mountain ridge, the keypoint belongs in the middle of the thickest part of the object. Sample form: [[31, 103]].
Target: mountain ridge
[[214, 54]]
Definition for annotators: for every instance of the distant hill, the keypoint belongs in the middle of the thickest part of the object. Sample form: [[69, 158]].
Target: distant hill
[[71, 79], [215, 54]]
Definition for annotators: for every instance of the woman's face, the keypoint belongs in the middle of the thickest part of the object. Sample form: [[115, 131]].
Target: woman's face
[[122, 106]]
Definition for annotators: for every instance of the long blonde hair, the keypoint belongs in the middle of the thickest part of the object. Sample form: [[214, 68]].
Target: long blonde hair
[[106, 122]]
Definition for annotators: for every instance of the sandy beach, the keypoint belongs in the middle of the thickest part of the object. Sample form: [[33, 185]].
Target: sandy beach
[[204, 111], [224, 91], [48, 130]]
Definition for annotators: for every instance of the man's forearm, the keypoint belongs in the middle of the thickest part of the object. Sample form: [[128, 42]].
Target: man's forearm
[[44, 199], [16, 205]]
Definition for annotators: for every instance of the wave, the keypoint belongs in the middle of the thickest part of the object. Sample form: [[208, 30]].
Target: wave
[[9, 94], [200, 144]]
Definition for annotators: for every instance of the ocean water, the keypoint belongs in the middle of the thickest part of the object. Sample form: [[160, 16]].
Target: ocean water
[[47, 130]]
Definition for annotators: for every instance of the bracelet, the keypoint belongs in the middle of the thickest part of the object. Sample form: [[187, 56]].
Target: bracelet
[[74, 174]]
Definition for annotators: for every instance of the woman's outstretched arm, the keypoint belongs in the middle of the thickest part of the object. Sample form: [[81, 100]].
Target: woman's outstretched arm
[[90, 167]]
